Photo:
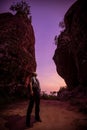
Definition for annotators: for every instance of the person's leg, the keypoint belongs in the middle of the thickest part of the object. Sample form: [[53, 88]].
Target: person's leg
[[37, 108], [29, 110]]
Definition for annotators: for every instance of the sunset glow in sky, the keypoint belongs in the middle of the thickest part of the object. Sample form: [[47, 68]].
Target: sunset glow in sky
[[46, 15]]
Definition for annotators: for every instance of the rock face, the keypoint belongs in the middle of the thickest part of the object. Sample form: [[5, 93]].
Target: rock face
[[17, 48], [71, 54]]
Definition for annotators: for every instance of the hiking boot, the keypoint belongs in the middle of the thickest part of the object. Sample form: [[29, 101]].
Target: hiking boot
[[28, 122], [38, 120], [29, 125]]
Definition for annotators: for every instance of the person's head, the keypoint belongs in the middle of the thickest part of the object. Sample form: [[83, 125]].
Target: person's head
[[34, 74]]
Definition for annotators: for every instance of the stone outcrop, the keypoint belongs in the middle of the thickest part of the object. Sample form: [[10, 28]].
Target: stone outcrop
[[17, 48], [71, 54]]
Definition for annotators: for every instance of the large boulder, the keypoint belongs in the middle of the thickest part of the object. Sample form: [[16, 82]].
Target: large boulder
[[71, 54], [17, 48]]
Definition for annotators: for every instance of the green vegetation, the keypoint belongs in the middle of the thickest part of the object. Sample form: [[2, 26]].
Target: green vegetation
[[51, 96], [62, 26], [21, 7], [56, 40], [20, 93]]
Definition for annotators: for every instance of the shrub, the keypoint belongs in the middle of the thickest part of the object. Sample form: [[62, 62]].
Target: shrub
[[21, 7]]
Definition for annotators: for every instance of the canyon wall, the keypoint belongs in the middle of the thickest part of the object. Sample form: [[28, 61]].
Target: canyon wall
[[71, 53], [17, 49]]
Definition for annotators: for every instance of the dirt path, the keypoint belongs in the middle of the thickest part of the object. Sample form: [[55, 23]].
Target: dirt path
[[55, 116]]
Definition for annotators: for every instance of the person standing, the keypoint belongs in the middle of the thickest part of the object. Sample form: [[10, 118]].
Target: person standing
[[34, 89]]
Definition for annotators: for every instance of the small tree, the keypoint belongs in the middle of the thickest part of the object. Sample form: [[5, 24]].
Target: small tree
[[21, 7], [62, 24], [56, 40], [53, 93]]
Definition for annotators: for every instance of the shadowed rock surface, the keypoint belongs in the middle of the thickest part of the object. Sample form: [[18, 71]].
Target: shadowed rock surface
[[17, 48], [71, 54]]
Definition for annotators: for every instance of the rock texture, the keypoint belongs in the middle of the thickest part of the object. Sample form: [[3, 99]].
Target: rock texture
[[71, 54], [17, 48]]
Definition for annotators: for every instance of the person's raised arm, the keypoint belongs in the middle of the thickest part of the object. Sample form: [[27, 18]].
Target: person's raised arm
[[27, 82]]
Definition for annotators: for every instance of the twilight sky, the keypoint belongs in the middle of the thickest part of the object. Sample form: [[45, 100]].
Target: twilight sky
[[46, 15]]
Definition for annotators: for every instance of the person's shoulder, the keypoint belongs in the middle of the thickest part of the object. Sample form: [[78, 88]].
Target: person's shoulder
[[37, 79]]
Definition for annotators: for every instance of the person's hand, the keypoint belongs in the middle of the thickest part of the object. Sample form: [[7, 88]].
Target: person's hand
[[27, 82]]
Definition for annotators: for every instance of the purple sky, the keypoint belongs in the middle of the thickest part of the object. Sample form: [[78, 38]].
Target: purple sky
[[46, 15]]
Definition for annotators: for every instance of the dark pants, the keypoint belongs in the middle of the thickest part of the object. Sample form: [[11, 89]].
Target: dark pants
[[33, 99]]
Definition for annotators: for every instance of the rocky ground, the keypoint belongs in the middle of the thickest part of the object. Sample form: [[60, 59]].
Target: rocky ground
[[55, 115]]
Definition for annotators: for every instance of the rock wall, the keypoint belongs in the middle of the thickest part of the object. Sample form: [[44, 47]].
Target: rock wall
[[71, 54], [17, 48]]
